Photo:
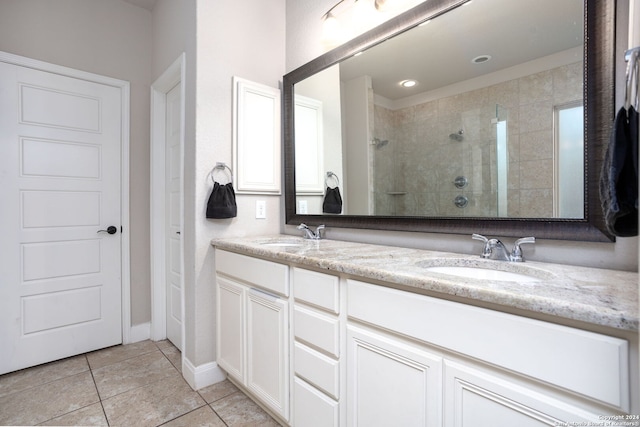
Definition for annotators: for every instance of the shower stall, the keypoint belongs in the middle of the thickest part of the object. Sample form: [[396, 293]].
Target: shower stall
[[441, 164]]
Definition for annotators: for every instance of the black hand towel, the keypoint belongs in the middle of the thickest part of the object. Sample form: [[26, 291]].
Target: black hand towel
[[332, 201], [222, 202], [619, 178]]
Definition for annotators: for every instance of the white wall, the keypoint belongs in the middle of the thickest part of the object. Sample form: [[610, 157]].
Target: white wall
[[110, 38], [304, 43], [221, 39], [116, 39]]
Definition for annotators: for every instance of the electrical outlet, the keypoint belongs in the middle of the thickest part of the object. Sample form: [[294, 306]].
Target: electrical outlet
[[261, 209], [302, 207]]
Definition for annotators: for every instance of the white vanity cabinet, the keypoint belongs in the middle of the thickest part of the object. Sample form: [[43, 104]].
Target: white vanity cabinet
[[328, 348], [253, 326], [317, 349], [497, 369]]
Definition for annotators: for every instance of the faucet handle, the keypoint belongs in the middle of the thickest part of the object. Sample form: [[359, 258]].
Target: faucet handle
[[516, 253], [486, 249], [479, 237]]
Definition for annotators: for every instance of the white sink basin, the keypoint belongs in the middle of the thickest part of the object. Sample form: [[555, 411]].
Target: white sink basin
[[483, 273]]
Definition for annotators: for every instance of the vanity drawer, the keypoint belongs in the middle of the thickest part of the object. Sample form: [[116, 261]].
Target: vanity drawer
[[317, 369], [588, 363], [312, 407], [317, 329], [265, 274], [317, 289]]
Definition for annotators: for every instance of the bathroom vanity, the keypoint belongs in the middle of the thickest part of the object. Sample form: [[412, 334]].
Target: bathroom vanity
[[331, 333]]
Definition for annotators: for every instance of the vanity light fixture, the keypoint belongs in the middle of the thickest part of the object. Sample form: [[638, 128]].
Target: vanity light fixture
[[381, 4], [330, 24], [408, 83]]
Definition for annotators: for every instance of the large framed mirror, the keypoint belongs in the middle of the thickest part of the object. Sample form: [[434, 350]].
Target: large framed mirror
[[503, 132]]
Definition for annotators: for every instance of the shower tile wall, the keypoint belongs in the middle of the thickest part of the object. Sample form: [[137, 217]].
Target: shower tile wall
[[414, 173]]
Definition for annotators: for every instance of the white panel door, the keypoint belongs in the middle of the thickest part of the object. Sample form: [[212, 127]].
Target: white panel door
[[173, 188], [60, 278]]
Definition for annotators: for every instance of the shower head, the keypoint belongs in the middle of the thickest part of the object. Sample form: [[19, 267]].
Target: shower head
[[457, 136], [378, 143]]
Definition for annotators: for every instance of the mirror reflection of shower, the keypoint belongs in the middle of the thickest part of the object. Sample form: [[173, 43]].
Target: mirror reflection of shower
[[379, 143], [502, 159], [458, 136]]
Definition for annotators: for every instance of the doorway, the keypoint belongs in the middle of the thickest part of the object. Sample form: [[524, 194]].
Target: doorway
[[167, 204]]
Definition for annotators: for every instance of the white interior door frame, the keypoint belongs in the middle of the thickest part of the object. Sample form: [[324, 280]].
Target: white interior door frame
[[173, 75], [124, 87]]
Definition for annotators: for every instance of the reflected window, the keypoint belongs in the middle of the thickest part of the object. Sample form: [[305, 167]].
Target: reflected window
[[569, 161]]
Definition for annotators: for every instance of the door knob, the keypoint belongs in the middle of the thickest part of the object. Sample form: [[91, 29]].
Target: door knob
[[110, 229]]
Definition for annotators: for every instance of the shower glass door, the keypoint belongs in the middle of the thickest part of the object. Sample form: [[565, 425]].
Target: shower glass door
[[502, 160]]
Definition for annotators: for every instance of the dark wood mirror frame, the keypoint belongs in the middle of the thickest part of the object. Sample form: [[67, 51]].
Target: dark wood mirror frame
[[599, 102]]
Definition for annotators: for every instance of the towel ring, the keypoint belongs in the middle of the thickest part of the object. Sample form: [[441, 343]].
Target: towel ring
[[223, 167], [632, 56], [334, 176]]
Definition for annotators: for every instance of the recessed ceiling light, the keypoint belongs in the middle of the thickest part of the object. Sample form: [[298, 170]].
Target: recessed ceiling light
[[408, 83], [481, 59]]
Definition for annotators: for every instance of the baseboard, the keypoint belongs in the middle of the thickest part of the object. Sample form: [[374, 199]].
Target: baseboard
[[202, 376], [139, 333]]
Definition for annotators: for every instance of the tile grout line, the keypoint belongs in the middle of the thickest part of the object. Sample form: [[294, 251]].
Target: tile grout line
[[83, 407], [97, 392], [42, 366], [217, 414], [196, 391]]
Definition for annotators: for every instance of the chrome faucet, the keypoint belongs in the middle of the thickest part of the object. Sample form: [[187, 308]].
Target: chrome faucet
[[495, 249], [310, 234]]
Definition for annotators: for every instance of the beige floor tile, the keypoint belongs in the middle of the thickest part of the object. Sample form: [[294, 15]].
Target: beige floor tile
[[218, 391], [39, 375], [164, 344], [111, 355], [174, 356], [132, 373], [152, 404], [202, 417], [38, 404], [238, 410], [92, 415]]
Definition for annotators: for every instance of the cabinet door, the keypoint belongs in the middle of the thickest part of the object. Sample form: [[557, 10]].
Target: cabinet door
[[391, 382], [230, 328], [475, 397], [268, 350]]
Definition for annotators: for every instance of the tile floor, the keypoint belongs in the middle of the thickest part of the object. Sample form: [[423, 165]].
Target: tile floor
[[132, 385]]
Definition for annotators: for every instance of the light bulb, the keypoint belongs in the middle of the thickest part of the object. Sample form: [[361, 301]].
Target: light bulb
[[330, 28], [381, 5]]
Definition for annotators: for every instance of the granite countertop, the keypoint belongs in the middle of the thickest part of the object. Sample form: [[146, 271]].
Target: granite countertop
[[595, 296]]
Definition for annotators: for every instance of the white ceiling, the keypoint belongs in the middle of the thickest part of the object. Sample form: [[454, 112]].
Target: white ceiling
[[440, 53], [145, 4]]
